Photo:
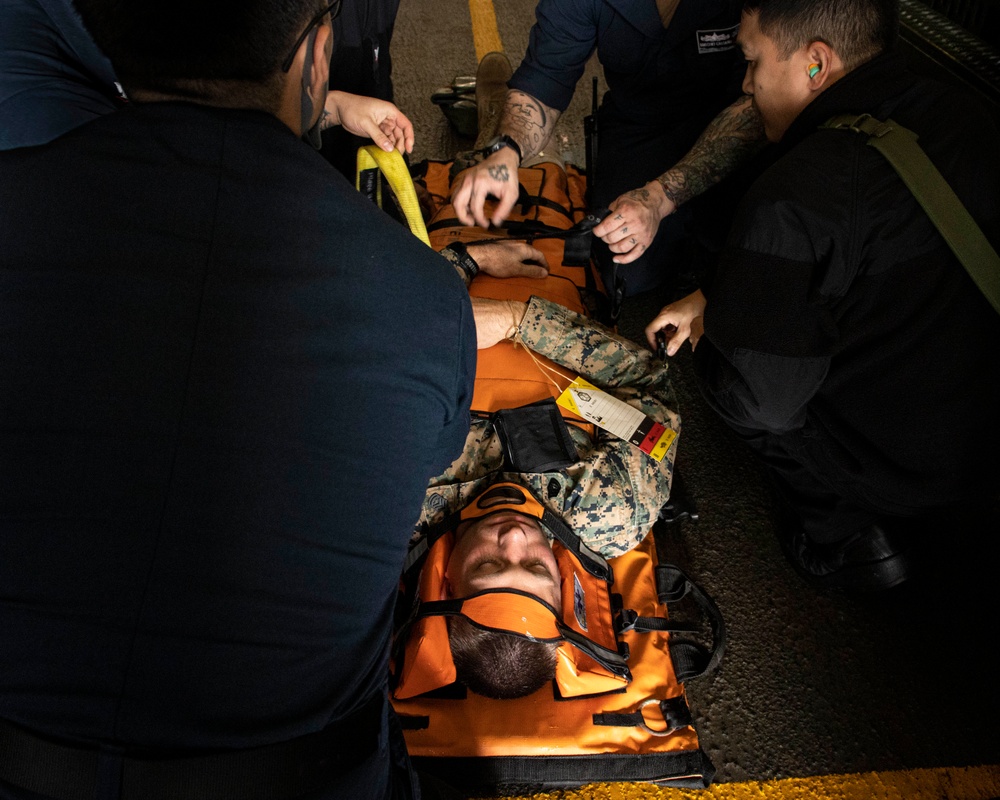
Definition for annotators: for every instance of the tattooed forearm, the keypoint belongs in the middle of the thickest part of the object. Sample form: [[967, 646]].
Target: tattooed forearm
[[326, 120], [529, 121], [733, 136]]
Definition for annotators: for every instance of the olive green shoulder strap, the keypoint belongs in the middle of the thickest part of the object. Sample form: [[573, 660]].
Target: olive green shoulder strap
[[950, 217]]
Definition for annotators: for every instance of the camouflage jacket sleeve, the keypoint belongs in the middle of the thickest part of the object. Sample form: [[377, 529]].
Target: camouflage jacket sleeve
[[618, 490], [452, 258], [611, 497]]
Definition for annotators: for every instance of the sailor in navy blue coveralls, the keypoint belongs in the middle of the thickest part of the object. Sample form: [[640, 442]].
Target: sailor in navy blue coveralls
[[664, 86]]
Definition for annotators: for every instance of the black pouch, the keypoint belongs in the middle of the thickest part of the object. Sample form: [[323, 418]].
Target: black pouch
[[535, 438]]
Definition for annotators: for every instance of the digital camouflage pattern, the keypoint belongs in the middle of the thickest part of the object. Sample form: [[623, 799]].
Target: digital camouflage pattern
[[612, 495]]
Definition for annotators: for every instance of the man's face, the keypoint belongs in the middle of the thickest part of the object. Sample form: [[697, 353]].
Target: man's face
[[504, 551], [780, 87]]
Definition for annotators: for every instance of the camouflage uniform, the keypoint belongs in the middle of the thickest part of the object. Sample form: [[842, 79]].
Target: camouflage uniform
[[613, 494]]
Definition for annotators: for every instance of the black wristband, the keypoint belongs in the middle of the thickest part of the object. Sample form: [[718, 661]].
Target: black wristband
[[500, 142], [464, 259]]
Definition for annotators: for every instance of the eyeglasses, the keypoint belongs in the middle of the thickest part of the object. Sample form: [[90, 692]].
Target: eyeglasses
[[333, 10]]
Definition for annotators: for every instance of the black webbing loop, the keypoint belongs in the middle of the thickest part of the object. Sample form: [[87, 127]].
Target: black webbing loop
[[629, 620], [672, 585], [675, 711], [691, 659], [576, 251]]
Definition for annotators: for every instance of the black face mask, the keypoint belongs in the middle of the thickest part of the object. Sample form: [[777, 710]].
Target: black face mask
[[312, 133]]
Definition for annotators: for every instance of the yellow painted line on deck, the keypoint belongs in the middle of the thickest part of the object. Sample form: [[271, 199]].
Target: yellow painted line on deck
[[485, 34], [949, 783]]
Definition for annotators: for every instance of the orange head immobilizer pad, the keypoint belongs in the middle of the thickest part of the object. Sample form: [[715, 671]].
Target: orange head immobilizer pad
[[588, 658]]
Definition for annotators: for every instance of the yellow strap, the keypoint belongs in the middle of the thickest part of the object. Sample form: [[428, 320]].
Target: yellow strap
[[396, 173]]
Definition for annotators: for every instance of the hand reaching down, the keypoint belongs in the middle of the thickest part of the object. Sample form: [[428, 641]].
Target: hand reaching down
[[686, 315]]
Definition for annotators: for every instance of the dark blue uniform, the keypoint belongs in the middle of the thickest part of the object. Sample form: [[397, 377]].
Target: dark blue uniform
[[52, 75], [664, 86], [215, 436]]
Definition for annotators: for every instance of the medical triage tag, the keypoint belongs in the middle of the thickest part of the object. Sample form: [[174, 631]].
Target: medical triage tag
[[617, 417]]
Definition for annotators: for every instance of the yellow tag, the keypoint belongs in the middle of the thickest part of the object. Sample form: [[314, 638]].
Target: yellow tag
[[617, 417]]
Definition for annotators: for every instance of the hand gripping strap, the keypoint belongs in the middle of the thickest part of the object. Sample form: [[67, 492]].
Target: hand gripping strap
[[392, 166], [899, 147]]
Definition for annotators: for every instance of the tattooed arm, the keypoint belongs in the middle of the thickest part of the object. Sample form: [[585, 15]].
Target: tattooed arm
[[732, 137], [528, 122]]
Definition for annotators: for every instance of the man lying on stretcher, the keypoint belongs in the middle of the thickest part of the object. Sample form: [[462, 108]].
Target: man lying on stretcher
[[525, 476]]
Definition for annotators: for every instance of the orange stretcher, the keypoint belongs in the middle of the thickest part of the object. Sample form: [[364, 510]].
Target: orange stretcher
[[617, 709]]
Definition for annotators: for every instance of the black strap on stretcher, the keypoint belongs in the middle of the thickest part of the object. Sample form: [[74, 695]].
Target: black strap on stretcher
[[691, 659], [675, 712], [273, 772], [530, 201], [612, 660], [592, 561], [577, 238], [481, 775]]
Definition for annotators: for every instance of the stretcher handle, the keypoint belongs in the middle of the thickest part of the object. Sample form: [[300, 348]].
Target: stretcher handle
[[691, 659], [397, 175]]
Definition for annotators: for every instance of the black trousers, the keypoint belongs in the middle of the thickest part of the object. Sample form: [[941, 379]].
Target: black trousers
[[816, 504], [831, 508]]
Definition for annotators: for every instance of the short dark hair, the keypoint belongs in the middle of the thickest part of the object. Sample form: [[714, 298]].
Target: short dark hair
[[499, 665], [196, 48], [857, 29]]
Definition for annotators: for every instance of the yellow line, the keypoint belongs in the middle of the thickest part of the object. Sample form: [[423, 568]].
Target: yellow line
[[484, 28], [949, 783]]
